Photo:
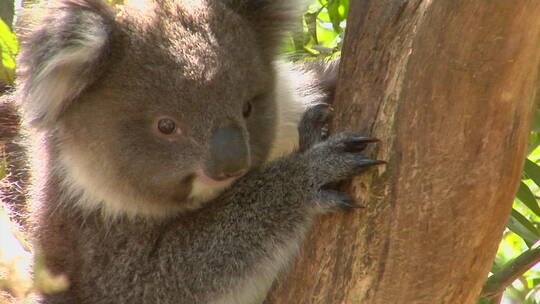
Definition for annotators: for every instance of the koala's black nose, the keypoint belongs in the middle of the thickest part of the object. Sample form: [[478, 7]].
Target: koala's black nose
[[229, 154]]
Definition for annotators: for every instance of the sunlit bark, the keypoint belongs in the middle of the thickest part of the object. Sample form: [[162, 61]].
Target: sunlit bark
[[449, 88]]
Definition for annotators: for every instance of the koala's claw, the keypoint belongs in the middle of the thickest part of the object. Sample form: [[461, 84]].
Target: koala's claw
[[339, 158], [365, 163], [333, 161], [359, 143], [334, 201]]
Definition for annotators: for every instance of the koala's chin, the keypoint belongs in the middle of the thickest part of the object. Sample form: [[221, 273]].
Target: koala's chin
[[204, 188]]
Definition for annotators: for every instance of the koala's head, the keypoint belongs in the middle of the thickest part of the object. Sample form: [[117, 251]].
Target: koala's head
[[155, 107]]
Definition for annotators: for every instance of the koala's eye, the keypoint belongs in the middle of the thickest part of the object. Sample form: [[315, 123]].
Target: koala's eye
[[246, 111], [166, 126]]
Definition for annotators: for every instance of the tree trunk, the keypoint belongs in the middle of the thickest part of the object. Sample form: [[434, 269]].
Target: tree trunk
[[449, 87]]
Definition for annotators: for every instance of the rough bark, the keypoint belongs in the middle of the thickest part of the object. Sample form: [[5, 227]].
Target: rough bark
[[449, 87]]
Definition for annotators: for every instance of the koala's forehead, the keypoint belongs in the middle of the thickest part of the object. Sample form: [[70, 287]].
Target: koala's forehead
[[197, 40]]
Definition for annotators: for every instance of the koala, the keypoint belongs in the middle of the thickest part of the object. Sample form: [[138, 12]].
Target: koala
[[174, 157]]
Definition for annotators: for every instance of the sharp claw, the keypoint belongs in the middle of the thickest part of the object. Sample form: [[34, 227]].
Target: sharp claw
[[370, 162], [339, 200], [348, 205], [359, 143], [364, 140]]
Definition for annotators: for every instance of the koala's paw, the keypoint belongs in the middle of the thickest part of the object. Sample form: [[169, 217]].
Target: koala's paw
[[335, 160], [313, 125]]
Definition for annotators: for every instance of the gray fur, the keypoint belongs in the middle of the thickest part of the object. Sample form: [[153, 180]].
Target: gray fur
[[13, 187], [127, 213]]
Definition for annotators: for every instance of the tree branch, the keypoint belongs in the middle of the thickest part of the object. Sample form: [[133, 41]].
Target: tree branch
[[497, 282]]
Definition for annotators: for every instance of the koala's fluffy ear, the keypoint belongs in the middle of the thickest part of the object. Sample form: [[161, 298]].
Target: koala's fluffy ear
[[63, 51], [270, 18]]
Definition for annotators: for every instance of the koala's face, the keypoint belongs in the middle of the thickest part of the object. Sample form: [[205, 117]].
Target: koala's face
[[185, 106]]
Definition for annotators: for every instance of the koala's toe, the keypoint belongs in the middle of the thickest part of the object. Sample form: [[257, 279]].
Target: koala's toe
[[335, 201], [313, 126]]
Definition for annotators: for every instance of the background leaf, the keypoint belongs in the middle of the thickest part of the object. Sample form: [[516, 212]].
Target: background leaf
[[9, 47], [523, 227], [526, 196]]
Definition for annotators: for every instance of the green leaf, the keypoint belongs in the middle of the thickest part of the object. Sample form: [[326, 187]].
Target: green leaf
[[534, 141], [323, 15], [335, 16], [521, 226], [536, 121], [3, 166], [495, 266], [344, 9], [311, 23], [9, 47], [484, 301], [532, 170], [526, 196], [325, 36]]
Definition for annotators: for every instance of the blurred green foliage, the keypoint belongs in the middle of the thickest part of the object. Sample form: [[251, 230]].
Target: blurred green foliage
[[323, 28], [9, 47], [523, 228]]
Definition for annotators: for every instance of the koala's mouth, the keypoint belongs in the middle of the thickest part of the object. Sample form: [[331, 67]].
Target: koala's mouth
[[204, 188], [203, 178]]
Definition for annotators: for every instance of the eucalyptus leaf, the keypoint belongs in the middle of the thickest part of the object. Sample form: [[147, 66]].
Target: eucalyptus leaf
[[495, 266], [9, 47], [534, 141], [335, 16], [344, 6], [311, 23], [521, 226], [532, 170], [536, 122], [526, 196], [484, 301], [3, 166]]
